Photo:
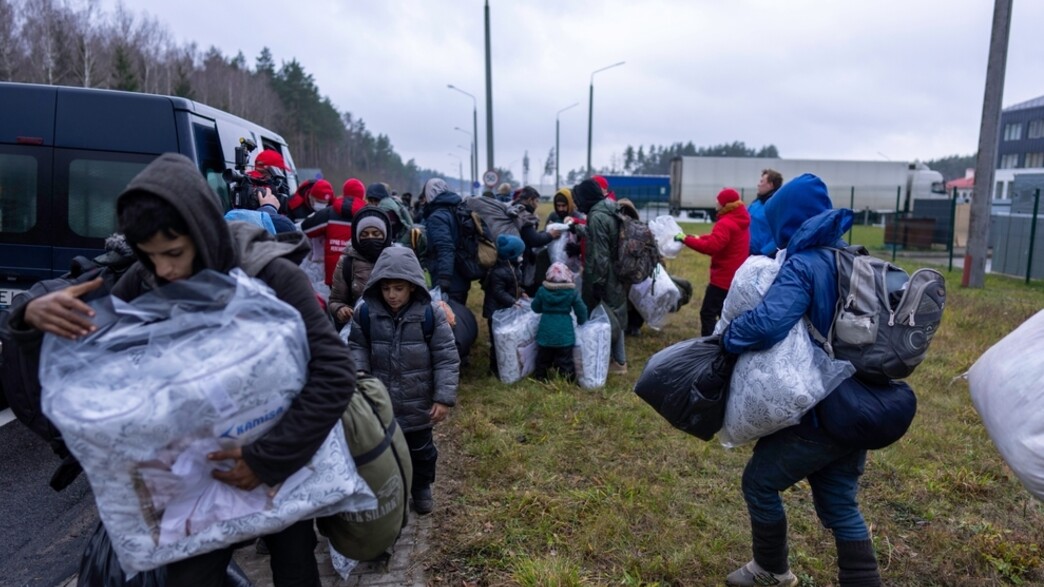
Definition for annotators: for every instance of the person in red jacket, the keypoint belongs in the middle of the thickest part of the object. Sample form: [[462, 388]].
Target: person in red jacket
[[334, 223], [728, 245]]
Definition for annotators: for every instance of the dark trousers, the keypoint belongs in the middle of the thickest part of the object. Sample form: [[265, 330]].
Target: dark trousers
[[423, 455], [560, 357], [292, 560], [710, 311], [461, 297], [492, 350]]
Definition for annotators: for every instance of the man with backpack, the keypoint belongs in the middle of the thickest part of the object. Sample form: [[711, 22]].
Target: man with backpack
[[803, 223], [443, 232], [600, 281]]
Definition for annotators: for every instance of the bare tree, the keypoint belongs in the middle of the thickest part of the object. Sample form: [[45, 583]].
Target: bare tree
[[46, 35], [12, 48], [87, 32]]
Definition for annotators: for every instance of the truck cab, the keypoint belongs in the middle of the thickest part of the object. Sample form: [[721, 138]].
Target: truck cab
[[67, 153]]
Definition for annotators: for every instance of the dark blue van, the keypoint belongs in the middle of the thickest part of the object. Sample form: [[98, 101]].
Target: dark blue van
[[66, 153]]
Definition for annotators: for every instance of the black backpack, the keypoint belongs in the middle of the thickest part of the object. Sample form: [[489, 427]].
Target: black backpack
[[884, 320]]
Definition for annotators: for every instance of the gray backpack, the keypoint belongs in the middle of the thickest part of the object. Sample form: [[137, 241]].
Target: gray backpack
[[885, 319]]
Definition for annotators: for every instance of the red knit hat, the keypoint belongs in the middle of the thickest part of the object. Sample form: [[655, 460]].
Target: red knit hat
[[353, 188], [728, 195], [322, 190], [271, 159], [601, 181]]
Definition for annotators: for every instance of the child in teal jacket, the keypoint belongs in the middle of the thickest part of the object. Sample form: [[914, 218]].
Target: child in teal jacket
[[556, 300]]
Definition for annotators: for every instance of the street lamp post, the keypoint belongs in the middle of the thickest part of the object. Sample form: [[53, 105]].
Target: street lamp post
[[471, 158], [590, 113], [461, 162], [474, 122], [558, 179]]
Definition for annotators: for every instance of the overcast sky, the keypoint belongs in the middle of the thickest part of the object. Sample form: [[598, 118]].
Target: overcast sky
[[853, 79]]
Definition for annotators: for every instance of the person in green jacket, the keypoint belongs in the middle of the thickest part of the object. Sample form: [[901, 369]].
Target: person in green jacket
[[556, 301]]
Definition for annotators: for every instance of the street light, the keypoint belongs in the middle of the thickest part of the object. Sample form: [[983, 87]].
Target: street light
[[471, 157], [590, 113], [461, 162], [558, 179], [474, 122]]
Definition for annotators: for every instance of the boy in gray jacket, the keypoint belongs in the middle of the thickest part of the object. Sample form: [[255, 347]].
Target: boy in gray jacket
[[403, 339]]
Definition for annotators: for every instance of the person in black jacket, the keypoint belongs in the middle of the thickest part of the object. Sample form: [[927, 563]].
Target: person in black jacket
[[503, 285], [525, 213], [172, 221]]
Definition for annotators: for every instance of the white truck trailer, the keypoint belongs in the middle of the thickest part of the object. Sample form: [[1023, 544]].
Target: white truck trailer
[[861, 185]]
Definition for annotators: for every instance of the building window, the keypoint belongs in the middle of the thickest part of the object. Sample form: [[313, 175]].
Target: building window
[[1036, 129], [1013, 131], [1034, 160], [1010, 161]]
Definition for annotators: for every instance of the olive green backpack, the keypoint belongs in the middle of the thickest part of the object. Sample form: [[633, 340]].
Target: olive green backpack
[[382, 457]]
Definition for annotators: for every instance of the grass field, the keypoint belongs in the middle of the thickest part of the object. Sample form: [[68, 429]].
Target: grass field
[[552, 485]]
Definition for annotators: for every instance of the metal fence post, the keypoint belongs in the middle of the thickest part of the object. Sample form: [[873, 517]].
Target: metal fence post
[[851, 206], [895, 233], [1033, 233], [953, 226]]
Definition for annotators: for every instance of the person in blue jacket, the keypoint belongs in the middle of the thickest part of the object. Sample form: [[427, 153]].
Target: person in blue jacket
[[440, 221], [802, 222], [761, 242]]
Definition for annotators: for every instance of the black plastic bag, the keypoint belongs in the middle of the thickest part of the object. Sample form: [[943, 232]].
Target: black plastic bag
[[99, 567], [687, 383]]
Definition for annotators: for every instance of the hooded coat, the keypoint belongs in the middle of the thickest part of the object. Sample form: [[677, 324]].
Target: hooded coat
[[222, 246], [728, 243], [600, 283], [556, 302], [802, 222], [354, 267], [416, 372], [761, 241], [440, 221], [565, 194]]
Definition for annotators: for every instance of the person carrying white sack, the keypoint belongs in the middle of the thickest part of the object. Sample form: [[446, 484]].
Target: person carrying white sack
[[172, 221], [802, 222]]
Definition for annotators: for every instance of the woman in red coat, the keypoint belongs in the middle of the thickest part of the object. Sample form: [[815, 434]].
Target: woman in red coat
[[728, 245]]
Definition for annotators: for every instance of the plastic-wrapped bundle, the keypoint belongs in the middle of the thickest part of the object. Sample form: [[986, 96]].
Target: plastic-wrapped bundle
[[514, 333], [316, 272], [665, 228], [1006, 390], [772, 388], [198, 365], [591, 353], [556, 249], [655, 297]]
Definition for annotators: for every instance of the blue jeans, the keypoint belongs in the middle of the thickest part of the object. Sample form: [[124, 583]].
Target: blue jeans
[[618, 352], [782, 459]]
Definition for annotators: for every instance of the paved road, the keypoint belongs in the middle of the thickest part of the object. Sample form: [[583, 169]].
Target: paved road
[[42, 532]]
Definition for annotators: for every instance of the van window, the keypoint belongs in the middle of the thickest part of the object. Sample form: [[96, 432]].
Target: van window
[[211, 163], [93, 188], [17, 193]]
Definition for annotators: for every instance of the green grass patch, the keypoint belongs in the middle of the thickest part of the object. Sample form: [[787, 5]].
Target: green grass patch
[[549, 484]]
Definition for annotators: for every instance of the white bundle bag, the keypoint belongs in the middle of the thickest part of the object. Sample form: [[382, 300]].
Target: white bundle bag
[[665, 228], [514, 334], [1007, 389], [591, 353], [556, 249], [773, 388], [195, 366], [314, 266], [655, 297]]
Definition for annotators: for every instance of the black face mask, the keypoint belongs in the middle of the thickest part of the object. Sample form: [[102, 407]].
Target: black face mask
[[371, 248]]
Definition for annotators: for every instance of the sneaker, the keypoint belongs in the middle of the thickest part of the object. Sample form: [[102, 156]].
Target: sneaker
[[423, 503], [752, 575], [617, 368]]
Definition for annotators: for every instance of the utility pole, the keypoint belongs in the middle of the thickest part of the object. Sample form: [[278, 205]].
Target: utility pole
[[489, 99], [974, 274]]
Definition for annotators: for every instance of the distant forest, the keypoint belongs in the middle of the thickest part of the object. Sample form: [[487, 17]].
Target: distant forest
[[75, 43]]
